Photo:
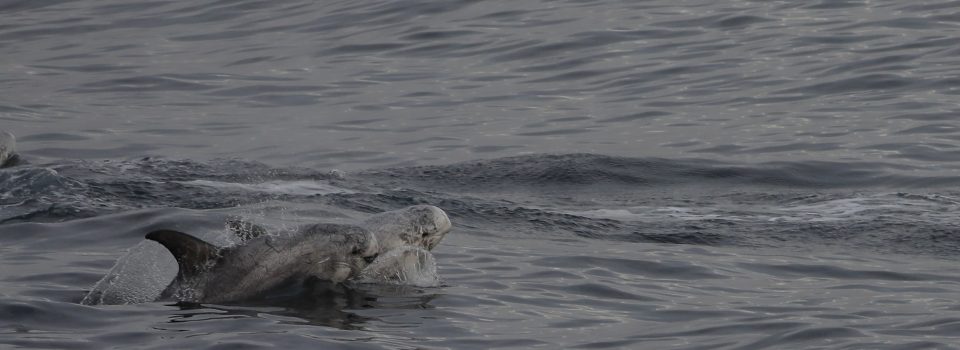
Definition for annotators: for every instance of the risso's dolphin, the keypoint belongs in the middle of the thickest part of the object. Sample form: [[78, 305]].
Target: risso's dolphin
[[405, 238], [400, 255], [8, 148], [210, 274]]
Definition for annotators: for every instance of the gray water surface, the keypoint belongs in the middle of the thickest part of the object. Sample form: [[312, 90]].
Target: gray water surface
[[620, 174], [353, 84]]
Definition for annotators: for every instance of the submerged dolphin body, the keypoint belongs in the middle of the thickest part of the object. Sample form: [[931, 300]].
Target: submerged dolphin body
[[208, 274], [8, 148]]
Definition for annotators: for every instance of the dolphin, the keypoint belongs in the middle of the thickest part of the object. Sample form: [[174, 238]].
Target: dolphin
[[210, 274], [8, 148], [405, 238]]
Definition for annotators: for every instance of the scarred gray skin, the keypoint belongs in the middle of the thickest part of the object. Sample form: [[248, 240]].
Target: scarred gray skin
[[329, 252], [8, 147], [419, 225]]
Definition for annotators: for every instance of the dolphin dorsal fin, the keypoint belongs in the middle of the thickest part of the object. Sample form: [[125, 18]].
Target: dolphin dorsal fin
[[192, 254], [245, 230]]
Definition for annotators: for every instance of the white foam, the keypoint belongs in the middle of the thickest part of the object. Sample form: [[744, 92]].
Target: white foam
[[303, 188], [406, 265]]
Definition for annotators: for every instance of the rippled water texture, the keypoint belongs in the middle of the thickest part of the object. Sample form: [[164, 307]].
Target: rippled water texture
[[721, 174], [354, 83]]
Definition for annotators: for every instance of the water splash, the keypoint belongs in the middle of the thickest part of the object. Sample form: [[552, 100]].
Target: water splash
[[407, 265]]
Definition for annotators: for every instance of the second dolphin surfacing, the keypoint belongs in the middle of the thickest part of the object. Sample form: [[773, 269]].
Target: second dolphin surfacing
[[208, 274]]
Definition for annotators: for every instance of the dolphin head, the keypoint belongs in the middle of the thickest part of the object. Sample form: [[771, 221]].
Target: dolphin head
[[339, 252], [434, 225], [419, 225], [8, 148]]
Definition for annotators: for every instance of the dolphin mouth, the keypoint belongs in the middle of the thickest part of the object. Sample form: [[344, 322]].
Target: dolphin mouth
[[441, 226]]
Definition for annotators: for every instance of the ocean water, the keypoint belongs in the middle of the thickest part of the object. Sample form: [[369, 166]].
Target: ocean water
[[620, 174]]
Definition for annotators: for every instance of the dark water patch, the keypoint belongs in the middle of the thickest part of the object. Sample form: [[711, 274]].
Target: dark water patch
[[49, 316], [800, 146], [575, 75], [649, 269], [931, 129], [24, 5], [552, 121], [830, 5], [924, 43], [428, 35], [682, 144], [365, 48], [720, 149], [92, 68], [929, 7], [250, 60], [829, 134], [65, 30], [869, 82], [883, 289], [742, 328], [554, 132], [901, 23], [880, 63], [585, 40], [256, 90], [822, 335], [835, 39], [785, 309], [635, 116], [54, 137], [740, 21], [15, 109], [167, 132], [840, 273], [225, 35], [715, 21], [691, 315], [595, 290], [123, 8], [88, 153], [488, 149], [267, 100], [143, 83]]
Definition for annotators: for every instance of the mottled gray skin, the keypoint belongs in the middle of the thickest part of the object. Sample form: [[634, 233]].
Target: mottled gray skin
[[419, 225], [8, 148], [323, 251]]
